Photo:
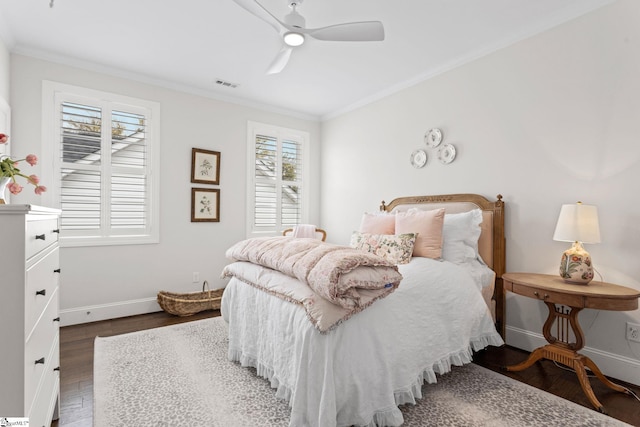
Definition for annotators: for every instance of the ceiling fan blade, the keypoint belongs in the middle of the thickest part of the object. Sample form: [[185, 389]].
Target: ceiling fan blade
[[255, 8], [280, 60], [350, 32]]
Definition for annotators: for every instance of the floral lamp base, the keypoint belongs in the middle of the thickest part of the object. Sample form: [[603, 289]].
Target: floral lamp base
[[576, 266]]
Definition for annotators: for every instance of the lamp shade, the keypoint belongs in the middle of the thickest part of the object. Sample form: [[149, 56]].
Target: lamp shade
[[578, 223]]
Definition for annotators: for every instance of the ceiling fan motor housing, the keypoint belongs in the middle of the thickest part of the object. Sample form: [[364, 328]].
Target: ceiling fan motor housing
[[294, 19]]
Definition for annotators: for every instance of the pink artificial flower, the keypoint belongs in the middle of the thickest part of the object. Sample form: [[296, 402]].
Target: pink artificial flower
[[14, 187], [9, 168], [32, 159], [3, 138]]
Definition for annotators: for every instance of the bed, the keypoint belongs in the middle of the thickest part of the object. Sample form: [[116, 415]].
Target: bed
[[363, 365]]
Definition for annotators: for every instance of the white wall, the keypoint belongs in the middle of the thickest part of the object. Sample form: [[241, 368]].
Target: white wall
[[5, 63], [122, 280], [550, 120], [5, 113]]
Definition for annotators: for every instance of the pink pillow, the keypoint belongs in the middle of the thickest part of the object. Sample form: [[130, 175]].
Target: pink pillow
[[378, 223], [428, 226]]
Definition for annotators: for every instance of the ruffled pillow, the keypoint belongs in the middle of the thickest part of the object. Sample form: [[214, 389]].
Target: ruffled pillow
[[461, 232], [396, 249], [378, 223], [428, 226]]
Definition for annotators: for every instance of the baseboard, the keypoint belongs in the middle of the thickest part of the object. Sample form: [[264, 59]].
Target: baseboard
[[94, 313], [612, 365]]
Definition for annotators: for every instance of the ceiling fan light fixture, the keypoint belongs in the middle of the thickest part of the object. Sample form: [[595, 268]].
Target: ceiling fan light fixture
[[293, 39], [293, 30]]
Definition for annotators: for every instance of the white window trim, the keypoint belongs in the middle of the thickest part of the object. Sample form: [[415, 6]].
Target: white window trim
[[254, 129], [51, 150]]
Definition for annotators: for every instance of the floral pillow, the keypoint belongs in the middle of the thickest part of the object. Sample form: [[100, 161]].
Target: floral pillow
[[396, 249]]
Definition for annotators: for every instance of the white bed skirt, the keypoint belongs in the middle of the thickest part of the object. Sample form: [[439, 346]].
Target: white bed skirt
[[360, 372]]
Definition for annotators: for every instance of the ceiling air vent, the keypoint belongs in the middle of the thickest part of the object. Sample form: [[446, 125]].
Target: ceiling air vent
[[226, 83]]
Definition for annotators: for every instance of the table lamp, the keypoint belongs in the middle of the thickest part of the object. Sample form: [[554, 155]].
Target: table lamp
[[577, 223]]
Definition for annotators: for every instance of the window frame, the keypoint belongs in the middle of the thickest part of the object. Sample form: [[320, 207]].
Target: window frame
[[280, 133], [54, 94]]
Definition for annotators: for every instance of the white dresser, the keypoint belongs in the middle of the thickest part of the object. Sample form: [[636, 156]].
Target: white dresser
[[29, 322]]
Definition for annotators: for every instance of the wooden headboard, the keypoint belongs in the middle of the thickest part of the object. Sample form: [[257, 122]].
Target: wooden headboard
[[491, 244]]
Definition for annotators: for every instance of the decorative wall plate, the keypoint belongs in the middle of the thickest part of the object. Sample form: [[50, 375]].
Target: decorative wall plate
[[418, 158], [433, 137], [446, 154]]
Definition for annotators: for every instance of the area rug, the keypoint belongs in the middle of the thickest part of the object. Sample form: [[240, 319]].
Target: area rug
[[179, 375]]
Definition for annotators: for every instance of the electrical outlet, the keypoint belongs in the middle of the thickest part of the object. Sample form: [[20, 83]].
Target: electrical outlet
[[633, 332], [196, 277]]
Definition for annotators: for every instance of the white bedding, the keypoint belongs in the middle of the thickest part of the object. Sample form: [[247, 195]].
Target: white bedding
[[485, 278], [360, 372]]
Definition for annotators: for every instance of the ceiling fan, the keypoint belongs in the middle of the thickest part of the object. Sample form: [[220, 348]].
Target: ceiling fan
[[293, 31]]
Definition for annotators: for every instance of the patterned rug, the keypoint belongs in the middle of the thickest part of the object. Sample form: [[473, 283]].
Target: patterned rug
[[179, 376]]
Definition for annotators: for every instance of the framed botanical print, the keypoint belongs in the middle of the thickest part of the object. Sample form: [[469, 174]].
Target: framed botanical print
[[205, 205], [205, 166]]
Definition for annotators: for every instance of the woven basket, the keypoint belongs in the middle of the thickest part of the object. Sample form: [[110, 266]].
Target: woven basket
[[190, 303]]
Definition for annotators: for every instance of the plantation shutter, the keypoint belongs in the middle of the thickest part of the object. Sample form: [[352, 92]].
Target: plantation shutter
[[80, 174], [129, 194], [104, 170], [278, 174], [266, 197], [291, 178]]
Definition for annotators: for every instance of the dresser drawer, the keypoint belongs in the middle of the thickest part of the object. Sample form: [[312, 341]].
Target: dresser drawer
[[549, 296], [41, 280], [40, 345], [40, 234], [43, 406]]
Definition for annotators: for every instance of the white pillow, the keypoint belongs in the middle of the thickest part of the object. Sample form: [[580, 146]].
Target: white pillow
[[460, 234]]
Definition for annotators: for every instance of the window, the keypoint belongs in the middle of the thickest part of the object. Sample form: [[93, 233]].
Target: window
[[105, 165], [278, 169]]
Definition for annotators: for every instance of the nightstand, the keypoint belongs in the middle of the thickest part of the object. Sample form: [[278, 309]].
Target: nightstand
[[553, 290]]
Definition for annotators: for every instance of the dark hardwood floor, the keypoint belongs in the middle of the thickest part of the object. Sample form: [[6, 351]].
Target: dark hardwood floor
[[563, 382], [76, 360], [76, 370]]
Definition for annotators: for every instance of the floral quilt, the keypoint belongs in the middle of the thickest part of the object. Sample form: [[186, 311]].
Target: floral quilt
[[332, 282]]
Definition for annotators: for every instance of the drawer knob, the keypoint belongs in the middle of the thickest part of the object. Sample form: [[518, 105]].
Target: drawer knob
[[57, 270], [57, 319], [40, 361], [40, 237], [42, 292], [545, 296]]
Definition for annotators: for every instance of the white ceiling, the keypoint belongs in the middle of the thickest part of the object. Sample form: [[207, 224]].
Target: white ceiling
[[189, 44]]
